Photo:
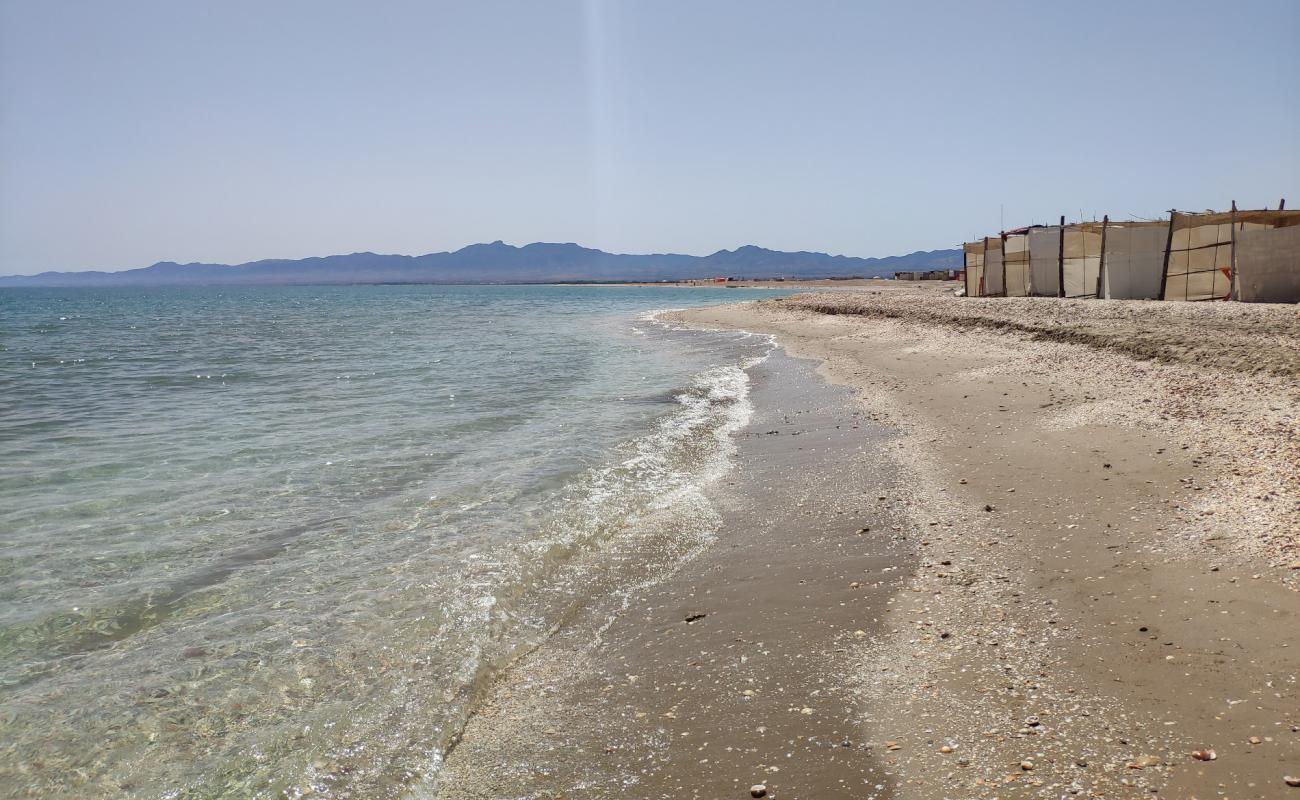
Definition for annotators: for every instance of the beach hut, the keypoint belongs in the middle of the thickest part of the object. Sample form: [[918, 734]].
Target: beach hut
[[1081, 258], [1204, 262], [1045, 260], [1132, 259], [974, 255], [994, 283], [1015, 262]]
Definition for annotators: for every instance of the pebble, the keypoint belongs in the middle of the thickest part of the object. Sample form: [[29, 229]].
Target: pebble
[[945, 749], [1026, 765], [1204, 755], [758, 790]]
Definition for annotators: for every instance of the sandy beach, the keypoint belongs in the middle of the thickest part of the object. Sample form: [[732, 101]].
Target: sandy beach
[[971, 548]]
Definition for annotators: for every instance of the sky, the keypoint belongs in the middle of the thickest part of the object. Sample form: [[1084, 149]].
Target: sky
[[140, 131]]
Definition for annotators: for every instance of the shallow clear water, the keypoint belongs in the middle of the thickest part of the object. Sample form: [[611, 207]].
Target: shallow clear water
[[255, 542]]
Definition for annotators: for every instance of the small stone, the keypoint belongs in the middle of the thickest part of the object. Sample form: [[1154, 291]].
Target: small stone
[[1081, 762], [1204, 755], [1256, 740], [1026, 765], [1033, 721], [988, 508], [758, 790], [945, 749]]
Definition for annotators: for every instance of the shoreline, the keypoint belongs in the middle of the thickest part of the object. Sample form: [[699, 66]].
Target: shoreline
[[727, 673], [1111, 569], [1099, 583]]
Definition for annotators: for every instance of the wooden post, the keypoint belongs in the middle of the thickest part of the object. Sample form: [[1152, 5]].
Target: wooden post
[[1101, 263], [1060, 261], [1002, 237], [1232, 257], [1282, 205], [1169, 241]]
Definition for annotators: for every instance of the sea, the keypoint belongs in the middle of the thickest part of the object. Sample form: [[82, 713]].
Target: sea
[[276, 542]]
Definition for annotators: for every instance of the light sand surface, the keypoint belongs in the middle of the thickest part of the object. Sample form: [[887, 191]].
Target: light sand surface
[[1081, 567], [1132, 589]]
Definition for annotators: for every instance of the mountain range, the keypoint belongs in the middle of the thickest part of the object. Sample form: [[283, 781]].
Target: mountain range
[[499, 262]]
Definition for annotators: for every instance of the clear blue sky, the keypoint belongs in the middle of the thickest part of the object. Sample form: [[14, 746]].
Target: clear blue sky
[[133, 132]]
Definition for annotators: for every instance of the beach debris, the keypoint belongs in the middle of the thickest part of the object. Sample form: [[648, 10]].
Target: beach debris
[[1032, 721], [947, 748], [1081, 762], [1204, 755], [988, 507], [695, 617], [1027, 765], [1255, 740], [1291, 780], [758, 790]]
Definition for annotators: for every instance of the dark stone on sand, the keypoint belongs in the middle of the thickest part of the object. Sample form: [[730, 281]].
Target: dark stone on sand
[[695, 617], [758, 790]]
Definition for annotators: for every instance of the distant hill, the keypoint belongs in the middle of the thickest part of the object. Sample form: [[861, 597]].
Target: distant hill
[[501, 263]]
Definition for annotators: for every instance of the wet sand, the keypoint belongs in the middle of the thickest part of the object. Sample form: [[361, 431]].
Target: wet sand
[[731, 672], [1081, 568]]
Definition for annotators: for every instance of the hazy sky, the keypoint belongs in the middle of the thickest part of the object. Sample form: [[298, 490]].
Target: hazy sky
[[134, 132]]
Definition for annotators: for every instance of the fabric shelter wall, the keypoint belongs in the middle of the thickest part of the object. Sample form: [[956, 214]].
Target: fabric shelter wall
[[1044, 261], [994, 285], [1015, 264], [1082, 260], [1199, 264], [1268, 264], [1135, 255], [974, 254]]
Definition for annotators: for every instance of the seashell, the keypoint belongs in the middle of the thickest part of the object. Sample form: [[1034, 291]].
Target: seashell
[[1204, 755]]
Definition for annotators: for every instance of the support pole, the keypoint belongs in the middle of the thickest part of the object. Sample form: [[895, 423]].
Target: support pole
[[1060, 260], [1101, 262], [1232, 258], [1169, 241]]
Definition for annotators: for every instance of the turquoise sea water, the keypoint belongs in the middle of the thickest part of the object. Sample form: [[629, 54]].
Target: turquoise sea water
[[270, 542]]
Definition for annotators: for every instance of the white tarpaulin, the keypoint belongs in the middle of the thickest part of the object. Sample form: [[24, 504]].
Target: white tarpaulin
[[974, 268], [1045, 261], [1015, 264], [1200, 263], [1268, 265], [1082, 259], [1135, 255], [993, 277]]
